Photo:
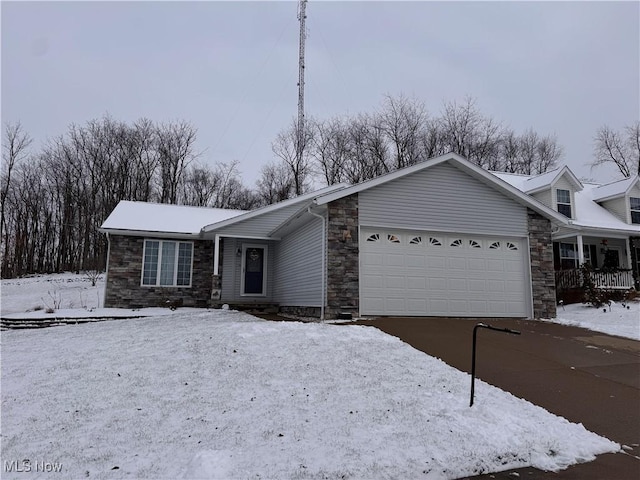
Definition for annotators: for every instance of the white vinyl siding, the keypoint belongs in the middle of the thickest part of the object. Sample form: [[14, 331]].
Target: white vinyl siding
[[298, 267], [261, 225], [619, 208], [442, 198], [167, 263], [545, 197]]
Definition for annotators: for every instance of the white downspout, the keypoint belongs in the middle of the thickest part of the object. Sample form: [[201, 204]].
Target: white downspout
[[324, 257], [216, 255], [628, 247], [106, 270]]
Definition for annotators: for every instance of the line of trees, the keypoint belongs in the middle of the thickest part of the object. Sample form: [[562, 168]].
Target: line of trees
[[402, 133], [54, 200]]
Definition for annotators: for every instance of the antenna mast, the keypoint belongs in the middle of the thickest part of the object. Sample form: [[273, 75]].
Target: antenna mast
[[300, 127]]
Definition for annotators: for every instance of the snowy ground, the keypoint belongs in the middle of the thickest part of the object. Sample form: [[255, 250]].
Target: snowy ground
[[222, 394], [618, 319]]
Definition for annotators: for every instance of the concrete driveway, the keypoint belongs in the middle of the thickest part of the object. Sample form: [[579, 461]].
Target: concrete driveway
[[584, 376]]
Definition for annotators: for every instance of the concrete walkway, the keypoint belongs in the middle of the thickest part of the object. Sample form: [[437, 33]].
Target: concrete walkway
[[584, 376]]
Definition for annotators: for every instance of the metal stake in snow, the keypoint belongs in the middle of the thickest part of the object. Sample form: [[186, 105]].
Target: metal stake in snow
[[473, 361]]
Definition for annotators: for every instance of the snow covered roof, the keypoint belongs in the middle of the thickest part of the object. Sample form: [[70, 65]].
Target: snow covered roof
[[544, 180], [160, 218], [588, 213], [614, 189]]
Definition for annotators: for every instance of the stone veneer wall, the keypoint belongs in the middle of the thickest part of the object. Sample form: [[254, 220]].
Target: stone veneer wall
[[343, 283], [542, 274], [125, 272]]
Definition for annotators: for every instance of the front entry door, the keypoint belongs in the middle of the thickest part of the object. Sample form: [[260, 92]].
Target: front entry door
[[254, 270]]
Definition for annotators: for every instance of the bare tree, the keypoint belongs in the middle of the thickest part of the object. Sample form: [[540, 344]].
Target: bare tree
[[402, 120], [14, 148], [285, 147], [276, 183], [619, 149], [175, 143], [548, 152]]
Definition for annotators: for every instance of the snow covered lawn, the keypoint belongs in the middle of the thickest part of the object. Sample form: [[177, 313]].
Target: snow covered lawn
[[221, 394], [615, 320]]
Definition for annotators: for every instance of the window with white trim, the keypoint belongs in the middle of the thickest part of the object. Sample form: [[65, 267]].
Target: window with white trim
[[167, 263], [634, 203], [569, 255], [563, 200]]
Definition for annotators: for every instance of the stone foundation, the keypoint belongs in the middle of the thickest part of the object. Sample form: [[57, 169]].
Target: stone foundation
[[543, 280], [310, 312], [124, 277]]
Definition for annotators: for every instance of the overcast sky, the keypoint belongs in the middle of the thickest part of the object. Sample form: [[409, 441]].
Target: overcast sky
[[231, 68]]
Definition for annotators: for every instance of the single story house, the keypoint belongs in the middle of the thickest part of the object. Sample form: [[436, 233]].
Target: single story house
[[439, 238]]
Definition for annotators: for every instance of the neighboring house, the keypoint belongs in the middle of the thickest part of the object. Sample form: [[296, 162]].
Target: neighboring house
[[440, 238], [603, 230]]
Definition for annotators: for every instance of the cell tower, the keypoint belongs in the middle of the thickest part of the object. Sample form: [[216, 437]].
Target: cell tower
[[300, 127]]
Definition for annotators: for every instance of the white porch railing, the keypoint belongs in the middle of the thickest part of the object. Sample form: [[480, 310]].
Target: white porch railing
[[621, 279], [618, 280]]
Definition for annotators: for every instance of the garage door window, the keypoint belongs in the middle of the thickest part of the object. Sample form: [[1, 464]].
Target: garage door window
[[435, 242], [512, 246], [474, 244], [416, 241], [373, 238], [393, 238], [456, 243], [494, 246]]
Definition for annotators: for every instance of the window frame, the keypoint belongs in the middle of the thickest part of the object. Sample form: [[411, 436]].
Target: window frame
[[575, 258], [634, 210], [560, 204], [158, 264]]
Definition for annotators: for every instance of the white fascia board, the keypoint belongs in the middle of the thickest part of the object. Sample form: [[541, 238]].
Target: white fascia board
[[270, 208], [596, 232], [150, 234]]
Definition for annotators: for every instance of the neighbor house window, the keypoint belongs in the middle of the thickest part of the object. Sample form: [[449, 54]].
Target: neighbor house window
[[569, 255], [635, 209], [563, 198], [167, 263]]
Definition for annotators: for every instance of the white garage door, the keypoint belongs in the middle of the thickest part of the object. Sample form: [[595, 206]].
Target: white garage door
[[435, 274]]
